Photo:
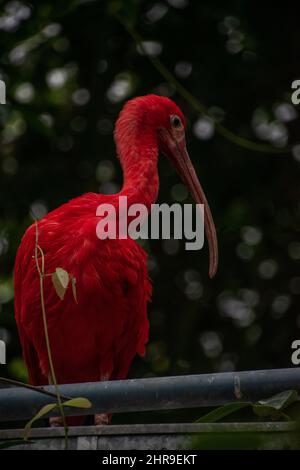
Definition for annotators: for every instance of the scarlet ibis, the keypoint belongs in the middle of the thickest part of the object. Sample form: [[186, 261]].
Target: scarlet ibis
[[98, 337]]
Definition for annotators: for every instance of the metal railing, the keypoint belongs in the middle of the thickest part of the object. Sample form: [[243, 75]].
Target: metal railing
[[163, 393]]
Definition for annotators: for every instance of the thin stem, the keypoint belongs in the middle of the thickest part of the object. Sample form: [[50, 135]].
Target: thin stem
[[226, 133], [52, 371], [31, 387]]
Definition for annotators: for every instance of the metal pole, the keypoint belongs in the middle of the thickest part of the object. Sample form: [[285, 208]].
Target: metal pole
[[163, 393]]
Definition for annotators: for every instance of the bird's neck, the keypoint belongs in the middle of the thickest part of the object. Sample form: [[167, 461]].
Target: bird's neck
[[139, 162]]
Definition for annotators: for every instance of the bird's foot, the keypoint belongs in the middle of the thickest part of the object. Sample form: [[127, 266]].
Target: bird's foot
[[102, 419], [55, 422]]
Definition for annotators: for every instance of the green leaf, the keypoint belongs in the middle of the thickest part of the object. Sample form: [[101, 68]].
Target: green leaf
[[222, 411], [274, 406], [40, 414], [78, 403], [269, 412], [60, 279], [74, 402], [281, 400], [270, 407]]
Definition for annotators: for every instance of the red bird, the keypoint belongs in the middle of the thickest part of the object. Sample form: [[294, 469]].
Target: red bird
[[98, 337]]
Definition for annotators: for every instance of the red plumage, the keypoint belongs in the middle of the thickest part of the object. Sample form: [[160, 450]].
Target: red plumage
[[98, 337]]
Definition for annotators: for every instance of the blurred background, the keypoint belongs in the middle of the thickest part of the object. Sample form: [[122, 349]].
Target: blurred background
[[69, 67]]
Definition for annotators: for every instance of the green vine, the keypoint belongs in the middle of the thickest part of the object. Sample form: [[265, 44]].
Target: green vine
[[195, 103], [41, 272]]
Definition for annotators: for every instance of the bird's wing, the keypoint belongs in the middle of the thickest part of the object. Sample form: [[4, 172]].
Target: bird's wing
[[106, 327], [137, 293]]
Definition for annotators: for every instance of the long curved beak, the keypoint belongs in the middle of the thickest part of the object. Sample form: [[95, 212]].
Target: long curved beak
[[177, 153]]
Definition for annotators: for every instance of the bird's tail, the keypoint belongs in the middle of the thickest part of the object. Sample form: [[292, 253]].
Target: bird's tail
[[36, 376]]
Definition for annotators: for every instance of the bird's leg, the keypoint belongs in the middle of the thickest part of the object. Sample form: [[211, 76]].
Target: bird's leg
[[103, 418], [55, 421]]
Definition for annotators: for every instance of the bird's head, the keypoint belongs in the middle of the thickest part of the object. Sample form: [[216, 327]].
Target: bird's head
[[158, 119]]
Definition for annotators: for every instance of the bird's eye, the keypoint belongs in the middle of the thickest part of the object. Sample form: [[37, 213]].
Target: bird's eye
[[176, 121]]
